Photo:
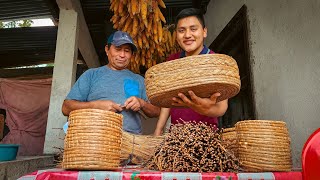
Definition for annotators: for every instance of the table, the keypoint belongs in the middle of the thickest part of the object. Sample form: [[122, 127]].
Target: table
[[140, 174]]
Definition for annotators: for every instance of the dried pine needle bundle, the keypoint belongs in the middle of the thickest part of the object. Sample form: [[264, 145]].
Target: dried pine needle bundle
[[192, 147], [135, 149], [138, 148]]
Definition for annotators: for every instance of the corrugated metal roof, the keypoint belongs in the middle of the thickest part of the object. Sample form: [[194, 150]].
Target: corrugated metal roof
[[21, 9], [97, 16], [27, 46]]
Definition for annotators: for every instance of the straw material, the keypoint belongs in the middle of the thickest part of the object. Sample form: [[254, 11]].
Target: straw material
[[229, 140], [93, 140], [140, 147], [263, 145], [203, 74]]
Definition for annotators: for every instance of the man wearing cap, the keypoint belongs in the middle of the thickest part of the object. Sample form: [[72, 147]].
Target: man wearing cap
[[113, 87]]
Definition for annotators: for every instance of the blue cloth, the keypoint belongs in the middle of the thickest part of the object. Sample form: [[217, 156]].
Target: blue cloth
[[119, 38], [104, 83], [131, 88]]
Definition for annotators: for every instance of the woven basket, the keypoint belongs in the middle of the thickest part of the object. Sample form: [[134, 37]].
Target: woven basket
[[203, 74], [264, 145], [229, 140], [93, 140], [141, 147]]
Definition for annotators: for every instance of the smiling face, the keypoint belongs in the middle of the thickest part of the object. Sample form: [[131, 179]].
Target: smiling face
[[190, 35], [119, 56]]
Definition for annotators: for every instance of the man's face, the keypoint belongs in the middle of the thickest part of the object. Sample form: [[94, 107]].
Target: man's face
[[119, 57], [190, 35]]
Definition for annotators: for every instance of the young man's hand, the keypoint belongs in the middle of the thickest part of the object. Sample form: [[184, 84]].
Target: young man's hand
[[158, 132], [204, 106]]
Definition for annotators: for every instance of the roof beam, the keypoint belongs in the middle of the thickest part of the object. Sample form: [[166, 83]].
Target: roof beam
[[10, 73], [85, 45], [54, 9], [63, 76]]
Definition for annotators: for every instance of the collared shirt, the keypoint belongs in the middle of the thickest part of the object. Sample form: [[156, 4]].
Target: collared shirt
[[205, 50]]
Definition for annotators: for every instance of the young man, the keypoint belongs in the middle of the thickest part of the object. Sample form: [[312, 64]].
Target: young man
[[113, 87], [191, 31]]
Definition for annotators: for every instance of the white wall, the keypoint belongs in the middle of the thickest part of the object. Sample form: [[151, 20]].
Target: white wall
[[284, 39]]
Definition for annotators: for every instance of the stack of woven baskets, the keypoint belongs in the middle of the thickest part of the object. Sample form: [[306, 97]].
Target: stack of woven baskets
[[93, 140], [263, 145], [203, 74], [229, 140]]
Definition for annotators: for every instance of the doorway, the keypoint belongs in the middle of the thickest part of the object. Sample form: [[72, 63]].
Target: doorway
[[233, 41]]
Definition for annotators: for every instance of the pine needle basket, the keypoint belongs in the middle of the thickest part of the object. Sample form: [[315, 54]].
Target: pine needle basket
[[263, 145], [203, 74], [229, 140], [138, 148], [93, 140]]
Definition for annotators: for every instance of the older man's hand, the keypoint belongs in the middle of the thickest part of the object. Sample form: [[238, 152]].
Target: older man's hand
[[106, 105], [134, 103]]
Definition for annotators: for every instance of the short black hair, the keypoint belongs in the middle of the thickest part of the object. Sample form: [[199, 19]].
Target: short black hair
[[190, 12]]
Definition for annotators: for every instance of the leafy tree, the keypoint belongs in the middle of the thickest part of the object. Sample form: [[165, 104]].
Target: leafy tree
[[14, 24], [11, 24], [26, 23]]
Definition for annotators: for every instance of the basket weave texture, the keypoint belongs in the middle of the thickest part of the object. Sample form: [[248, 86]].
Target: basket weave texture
[[93, 140], [203, 74], [229, 140], [141, 147], [263, 145]]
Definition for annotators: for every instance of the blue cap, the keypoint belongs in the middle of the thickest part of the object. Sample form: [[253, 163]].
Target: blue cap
[[119, 38]]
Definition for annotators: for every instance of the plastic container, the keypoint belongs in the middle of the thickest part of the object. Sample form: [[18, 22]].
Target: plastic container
[[311, 157], [8, 152]]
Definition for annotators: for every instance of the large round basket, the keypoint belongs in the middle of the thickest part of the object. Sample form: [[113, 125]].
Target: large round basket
[[203, 74], [93, 140], [229, 140], [264, 145]]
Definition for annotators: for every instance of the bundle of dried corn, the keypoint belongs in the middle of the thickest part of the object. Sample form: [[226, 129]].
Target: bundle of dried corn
[[143, 20], [192, 147]]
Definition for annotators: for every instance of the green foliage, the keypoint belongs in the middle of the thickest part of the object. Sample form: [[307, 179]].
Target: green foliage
[[26, 23], [11, 24], [15, 24]]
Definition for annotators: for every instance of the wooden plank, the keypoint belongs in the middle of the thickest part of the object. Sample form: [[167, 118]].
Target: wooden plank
[[64, 73], [85, 45]]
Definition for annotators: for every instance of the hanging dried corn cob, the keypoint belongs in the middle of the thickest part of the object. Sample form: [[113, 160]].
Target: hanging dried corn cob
[[144, 21]]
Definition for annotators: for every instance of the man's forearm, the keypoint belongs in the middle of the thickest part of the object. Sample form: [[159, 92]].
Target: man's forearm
[[151, 110], [70, 105]]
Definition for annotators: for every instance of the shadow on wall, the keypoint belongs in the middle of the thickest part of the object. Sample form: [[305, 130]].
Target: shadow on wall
[[4, 129]]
